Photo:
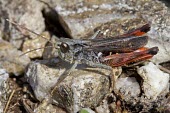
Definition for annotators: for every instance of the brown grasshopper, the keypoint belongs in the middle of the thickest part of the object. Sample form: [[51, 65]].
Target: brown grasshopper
[[94, 51]]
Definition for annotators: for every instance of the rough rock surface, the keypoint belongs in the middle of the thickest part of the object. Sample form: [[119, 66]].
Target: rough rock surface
[[37, 43], [3, 88], [24, 12], [156, 82], [164, 50], [82, 88], [11, 60], [127, 87], [80, 18], [48, 108], [103, 108]]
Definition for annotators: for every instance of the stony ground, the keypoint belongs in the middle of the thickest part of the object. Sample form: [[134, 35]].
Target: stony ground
[[27, 80]]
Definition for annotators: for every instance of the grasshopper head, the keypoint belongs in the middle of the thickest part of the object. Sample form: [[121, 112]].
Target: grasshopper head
[[65, 52]]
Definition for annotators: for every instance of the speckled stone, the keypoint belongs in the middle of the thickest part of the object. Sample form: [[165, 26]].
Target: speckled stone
[[84, 87], [26, 13], [11, 60]]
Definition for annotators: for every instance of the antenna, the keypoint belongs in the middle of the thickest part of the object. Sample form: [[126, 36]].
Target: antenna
[[16, 24], [34, 50]]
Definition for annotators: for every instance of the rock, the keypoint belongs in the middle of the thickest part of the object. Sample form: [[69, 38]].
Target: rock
[[3, 88], [127, 87], [163, 53], [24, 12], [80, 18], [82, 88], [167, 105], [143, 104], [158, 16], [48, 108], [103, 108], [41, 78], [42, 107], [11, 60], [155, 82], [36, 43]]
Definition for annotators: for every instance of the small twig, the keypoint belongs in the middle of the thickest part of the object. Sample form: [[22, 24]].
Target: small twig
[[9, 100], [164, 69]]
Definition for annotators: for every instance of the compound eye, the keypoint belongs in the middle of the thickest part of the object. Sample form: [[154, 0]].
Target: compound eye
[[64, 47]]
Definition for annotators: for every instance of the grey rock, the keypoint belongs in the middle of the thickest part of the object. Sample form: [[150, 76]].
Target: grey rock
[[84, 87], [3, 88], [37, 43], [24, 12], [41, 78], [167, 105], [103, 108], [80, 18], [85, 90], [11, 60], [127, 87], [45, 107], [156, 82], [163, 53]]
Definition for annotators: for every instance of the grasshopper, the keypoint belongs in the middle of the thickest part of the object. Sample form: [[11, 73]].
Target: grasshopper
[[126, 48]]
